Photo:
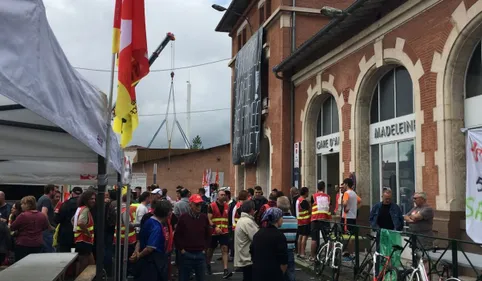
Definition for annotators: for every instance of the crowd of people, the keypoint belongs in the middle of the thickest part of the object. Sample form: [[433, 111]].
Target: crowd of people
[[176, 238]]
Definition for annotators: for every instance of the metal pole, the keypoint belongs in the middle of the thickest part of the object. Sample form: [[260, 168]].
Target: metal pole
[[126, 233], [117, 233], [102, 177], [188, 117], [100, 227], [154, 173]]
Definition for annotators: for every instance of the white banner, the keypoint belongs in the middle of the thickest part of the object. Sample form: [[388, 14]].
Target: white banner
[[473, 212]]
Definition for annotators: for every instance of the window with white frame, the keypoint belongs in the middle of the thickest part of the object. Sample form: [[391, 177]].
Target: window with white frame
[[392, 138]]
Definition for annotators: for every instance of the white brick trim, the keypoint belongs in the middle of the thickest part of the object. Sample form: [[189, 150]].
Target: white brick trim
[[308, 153], [448, 114], [368, 70]]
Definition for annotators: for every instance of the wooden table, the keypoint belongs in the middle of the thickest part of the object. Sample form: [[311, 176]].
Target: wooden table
[[39, 267]]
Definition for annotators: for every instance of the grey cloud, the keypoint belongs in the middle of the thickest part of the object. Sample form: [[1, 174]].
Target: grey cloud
[[84, 30]]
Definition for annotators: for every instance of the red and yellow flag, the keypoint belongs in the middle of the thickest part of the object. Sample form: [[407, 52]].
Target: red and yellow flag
[[131, 45]]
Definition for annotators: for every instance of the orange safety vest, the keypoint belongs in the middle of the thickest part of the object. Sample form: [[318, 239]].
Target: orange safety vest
[[321, 207], [235, 214], [303, 216], [220, 220], [131, 236], [79, 235]]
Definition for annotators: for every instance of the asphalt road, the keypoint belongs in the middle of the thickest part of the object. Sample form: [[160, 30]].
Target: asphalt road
[[217, 269]]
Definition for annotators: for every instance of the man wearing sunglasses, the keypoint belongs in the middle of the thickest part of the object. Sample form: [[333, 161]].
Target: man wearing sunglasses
[[420, 219]]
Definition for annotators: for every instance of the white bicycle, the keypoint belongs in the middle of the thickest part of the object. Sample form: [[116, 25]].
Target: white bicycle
[[329, 254], [419, 273]]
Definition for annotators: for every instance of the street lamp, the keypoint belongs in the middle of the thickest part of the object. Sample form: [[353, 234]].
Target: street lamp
[[220, 8], [332, 12]]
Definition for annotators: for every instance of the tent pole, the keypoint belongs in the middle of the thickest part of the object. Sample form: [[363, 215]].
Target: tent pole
[[103, 167], [118, 247], [126, 218], [100, 227]]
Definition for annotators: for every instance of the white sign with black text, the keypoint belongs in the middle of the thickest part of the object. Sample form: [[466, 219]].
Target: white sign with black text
[[393, 130], [328, 144], [297, 155]]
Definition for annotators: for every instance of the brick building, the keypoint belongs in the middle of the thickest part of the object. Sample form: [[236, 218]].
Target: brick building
[[381, 91], [183, 167]]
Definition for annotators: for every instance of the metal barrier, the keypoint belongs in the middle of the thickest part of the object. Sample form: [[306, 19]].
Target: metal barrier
[[451, 266]]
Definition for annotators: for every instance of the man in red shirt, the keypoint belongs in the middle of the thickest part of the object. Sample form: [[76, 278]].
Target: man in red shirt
[[192, 237]]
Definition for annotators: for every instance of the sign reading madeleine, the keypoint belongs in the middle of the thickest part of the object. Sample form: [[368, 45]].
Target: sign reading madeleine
[[393, 130]]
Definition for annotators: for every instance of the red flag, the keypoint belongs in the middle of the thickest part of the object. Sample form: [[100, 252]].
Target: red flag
[[217, 177], [133, 66]]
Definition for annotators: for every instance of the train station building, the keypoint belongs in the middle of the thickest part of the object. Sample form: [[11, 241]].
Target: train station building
[[384, 90]]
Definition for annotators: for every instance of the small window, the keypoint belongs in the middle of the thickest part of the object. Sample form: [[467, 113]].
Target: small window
[[261, 15], [240, 42]]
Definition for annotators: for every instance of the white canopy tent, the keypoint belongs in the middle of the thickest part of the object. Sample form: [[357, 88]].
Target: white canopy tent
[[52, 121]]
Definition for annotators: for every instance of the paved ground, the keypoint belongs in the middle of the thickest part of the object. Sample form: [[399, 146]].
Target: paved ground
[[217, 268]]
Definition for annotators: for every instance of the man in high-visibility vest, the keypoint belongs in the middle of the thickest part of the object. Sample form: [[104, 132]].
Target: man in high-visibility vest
[[320, 216], [303, 215], [218, 219], [83, 226]]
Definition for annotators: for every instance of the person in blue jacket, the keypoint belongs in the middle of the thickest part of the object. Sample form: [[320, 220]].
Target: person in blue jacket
[[386, 214]]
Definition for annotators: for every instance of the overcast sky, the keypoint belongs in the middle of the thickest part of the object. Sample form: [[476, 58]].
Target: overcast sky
[[84, 30]]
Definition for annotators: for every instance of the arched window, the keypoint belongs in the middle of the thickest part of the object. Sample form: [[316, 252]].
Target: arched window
[[473, 89], [392, 133], [328, 121], [328, 143]]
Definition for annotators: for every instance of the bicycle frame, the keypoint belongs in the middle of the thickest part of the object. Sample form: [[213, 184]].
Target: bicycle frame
[[331, 249], [420, 270], [385, 266]]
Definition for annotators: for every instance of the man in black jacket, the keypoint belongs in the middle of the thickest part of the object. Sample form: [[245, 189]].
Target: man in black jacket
[[64, 219]]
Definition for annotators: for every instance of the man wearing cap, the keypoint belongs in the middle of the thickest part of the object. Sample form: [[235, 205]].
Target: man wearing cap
[[63, 217], [191, 238]]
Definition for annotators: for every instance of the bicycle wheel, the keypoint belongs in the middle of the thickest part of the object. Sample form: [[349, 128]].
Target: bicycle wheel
[[391, 274], [365, 270], [408, 275], [453, 279], [337, 263], [320, 260]]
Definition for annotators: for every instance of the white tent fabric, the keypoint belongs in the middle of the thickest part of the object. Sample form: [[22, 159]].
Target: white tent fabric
[[52, 120]]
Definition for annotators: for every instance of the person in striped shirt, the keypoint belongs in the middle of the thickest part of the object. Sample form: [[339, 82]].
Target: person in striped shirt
[[289, 229]]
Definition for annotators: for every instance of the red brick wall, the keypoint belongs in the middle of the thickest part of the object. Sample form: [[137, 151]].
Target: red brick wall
[[423, 36], [187, 170], [307, 25]]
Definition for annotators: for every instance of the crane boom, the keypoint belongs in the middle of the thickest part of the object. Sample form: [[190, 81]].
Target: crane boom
[[169, 37]]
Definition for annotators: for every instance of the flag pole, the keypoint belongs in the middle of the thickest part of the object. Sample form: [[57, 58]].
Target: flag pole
[[102, 181]]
